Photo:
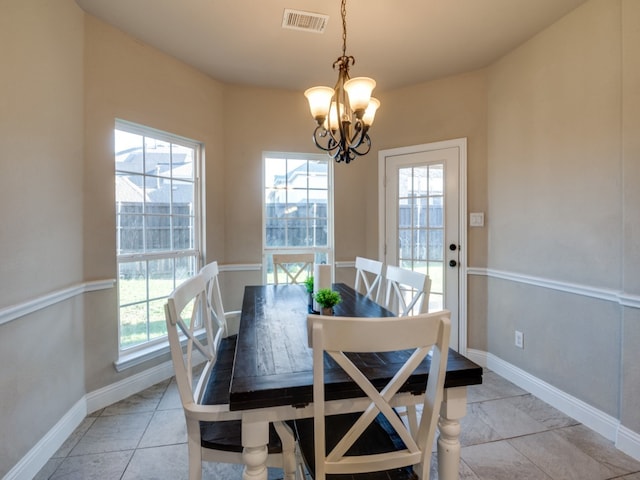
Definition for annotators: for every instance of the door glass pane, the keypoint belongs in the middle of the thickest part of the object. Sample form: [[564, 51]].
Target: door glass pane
[[436, 179], [421, 225], [420, 180], [405, 182], [420, 212], [436, 212]]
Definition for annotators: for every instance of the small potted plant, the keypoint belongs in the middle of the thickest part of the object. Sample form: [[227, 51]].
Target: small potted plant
[[308, 283], [327, 299]]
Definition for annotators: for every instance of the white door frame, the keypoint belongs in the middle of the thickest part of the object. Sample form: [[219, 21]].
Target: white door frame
[[461, 144]]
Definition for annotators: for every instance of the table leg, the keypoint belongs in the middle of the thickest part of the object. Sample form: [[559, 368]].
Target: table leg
[[454, 407], [255, 438]]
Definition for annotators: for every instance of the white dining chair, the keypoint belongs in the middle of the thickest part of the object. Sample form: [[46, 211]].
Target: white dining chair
[[226, 323], [296, 266], [407, 291], [375, 440], [368, 277], [213, 430]]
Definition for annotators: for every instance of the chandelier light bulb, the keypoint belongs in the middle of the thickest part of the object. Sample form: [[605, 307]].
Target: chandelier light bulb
[[370, 112], [319, 100], [359, 90], [333, 123]]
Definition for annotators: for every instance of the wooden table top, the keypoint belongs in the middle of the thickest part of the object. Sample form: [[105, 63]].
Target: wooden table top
[[273, 365]]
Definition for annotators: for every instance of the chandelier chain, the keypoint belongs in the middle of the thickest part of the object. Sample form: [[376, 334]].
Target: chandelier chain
[[343, 12]]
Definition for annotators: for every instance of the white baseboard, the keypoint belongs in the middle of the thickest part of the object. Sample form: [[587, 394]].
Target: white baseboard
[[629, 442], [39, 455], [609, 427], [115, 392]]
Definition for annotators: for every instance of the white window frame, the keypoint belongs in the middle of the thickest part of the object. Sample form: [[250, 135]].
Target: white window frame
[[329, 250], [133, 355]]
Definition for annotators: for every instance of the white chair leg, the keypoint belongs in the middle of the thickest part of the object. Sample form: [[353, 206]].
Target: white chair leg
[[195, 451], [412, 417], [289, 460]]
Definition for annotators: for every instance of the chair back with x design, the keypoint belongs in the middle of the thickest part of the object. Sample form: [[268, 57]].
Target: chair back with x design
[[296, 266], [342, 337]]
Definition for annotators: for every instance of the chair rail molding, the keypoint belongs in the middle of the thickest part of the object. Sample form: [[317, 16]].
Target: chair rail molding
[[609, 295], [14, 312], [240, 267]]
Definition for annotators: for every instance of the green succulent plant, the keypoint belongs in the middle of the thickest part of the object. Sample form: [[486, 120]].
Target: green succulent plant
[[327, 298], [309, 284]]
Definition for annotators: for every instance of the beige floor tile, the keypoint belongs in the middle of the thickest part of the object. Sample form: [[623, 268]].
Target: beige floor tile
[[493, 387], [167, 427], [500, 461], [474, 430], [171, 397], [601, 449], [170, 462], [99, 466], [504, 418], [113, 433], [74, 438], [145, 401], [559, 458], [542, 412], [48, 470]]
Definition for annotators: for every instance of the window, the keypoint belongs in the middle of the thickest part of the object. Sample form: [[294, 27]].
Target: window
[[158, 227], [298, 207]]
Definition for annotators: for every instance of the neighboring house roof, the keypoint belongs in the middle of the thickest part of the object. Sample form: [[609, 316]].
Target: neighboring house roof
[[127, 191]]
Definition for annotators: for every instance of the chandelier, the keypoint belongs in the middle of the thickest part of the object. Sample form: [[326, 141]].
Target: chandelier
[[343, 114]]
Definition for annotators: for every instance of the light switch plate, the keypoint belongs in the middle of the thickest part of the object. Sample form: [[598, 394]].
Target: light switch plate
[[476, 219]]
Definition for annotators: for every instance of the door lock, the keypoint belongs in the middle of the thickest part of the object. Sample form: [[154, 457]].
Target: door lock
[[452, 263]]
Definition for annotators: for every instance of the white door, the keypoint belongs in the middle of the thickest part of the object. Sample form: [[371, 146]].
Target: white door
[[420, 218]]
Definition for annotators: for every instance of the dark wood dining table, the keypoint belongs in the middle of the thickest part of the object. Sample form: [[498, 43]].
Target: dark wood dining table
[[273, 372]]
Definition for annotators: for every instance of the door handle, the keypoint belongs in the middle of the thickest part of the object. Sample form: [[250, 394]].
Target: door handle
[[452, 263]]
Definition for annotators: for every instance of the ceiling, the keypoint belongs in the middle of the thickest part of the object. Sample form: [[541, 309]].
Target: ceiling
[[397, 42]]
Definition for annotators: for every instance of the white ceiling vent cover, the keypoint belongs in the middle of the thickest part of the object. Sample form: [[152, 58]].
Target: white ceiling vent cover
[[307, 21]]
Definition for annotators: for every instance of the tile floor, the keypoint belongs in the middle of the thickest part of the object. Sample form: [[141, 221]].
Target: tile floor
[[507, 434]]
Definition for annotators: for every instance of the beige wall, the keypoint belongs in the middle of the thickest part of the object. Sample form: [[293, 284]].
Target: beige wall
[[630, 388], [554, 152], [128, 80], [41, 148], [563, 204], [41, 231]]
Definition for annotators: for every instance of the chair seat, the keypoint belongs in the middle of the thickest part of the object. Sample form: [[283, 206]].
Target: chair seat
[[227, 436], [217, 389], [379, 437]]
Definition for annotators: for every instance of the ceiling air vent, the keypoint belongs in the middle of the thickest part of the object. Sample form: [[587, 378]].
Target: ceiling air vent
[[307, 21]]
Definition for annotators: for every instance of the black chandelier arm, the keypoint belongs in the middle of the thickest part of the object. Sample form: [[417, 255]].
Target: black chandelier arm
[[360, 137], [338, 148], [364, 145], [329, 144]]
